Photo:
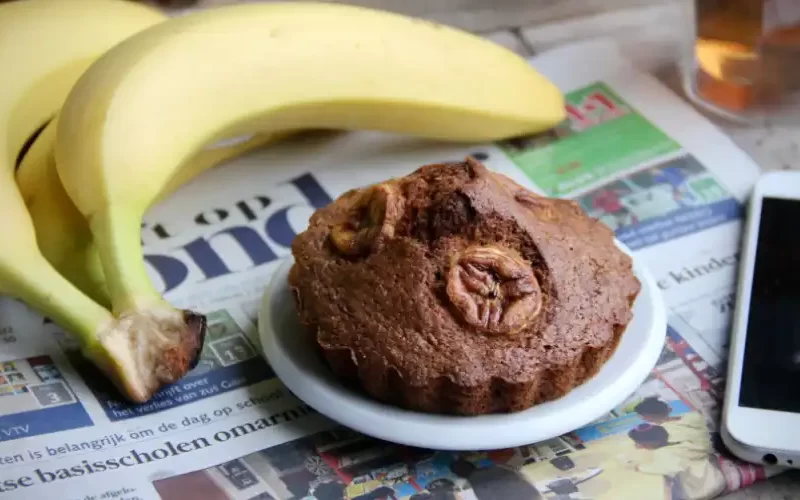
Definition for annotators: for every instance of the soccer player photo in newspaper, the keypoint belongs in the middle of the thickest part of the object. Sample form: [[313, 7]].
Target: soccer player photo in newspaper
[[601, 139]]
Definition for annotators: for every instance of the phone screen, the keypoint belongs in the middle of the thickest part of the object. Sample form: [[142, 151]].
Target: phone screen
[[771, 368]]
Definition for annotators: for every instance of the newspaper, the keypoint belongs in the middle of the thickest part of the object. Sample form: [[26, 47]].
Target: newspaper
[[633, 154]]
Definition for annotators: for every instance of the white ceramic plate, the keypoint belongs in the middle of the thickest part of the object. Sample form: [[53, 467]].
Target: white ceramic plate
[[303, 371]]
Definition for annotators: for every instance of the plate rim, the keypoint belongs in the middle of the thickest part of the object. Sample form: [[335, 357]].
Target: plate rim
[[629, 381]]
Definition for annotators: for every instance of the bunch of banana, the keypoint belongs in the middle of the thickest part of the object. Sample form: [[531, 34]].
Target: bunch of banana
[[50, 43], [135, 125]]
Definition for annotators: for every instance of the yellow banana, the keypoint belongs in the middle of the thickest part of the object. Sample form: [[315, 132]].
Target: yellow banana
[[49, 44], [61, 231], [145, 107]]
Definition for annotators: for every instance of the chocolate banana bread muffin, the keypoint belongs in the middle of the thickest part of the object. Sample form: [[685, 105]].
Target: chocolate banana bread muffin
[[455, 290]]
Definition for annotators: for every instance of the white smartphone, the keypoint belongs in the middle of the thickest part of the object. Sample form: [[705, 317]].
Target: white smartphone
[[761, 411]]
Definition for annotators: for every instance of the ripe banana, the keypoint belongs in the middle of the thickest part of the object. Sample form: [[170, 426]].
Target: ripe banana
[[61, 231], [47, 45], [147, 105]]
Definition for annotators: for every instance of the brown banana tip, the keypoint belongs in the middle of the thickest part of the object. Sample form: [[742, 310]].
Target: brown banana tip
[[185, 354], [193, 342]]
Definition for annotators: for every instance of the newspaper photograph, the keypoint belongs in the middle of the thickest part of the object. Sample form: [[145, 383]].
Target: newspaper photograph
[[631, 153]]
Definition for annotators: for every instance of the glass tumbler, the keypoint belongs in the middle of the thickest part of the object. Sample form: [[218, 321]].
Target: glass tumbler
[[743, 62]]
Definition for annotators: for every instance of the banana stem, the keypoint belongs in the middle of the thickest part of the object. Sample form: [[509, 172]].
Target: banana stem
[[118, 238], [59, 300]]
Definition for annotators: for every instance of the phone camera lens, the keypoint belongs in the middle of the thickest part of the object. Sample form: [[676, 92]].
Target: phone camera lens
[[770, 459]]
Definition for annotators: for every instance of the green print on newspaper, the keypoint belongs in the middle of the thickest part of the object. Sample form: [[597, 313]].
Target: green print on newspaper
[[602, 135]]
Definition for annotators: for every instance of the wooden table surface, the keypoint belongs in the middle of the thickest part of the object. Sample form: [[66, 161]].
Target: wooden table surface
[[650, 32]]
